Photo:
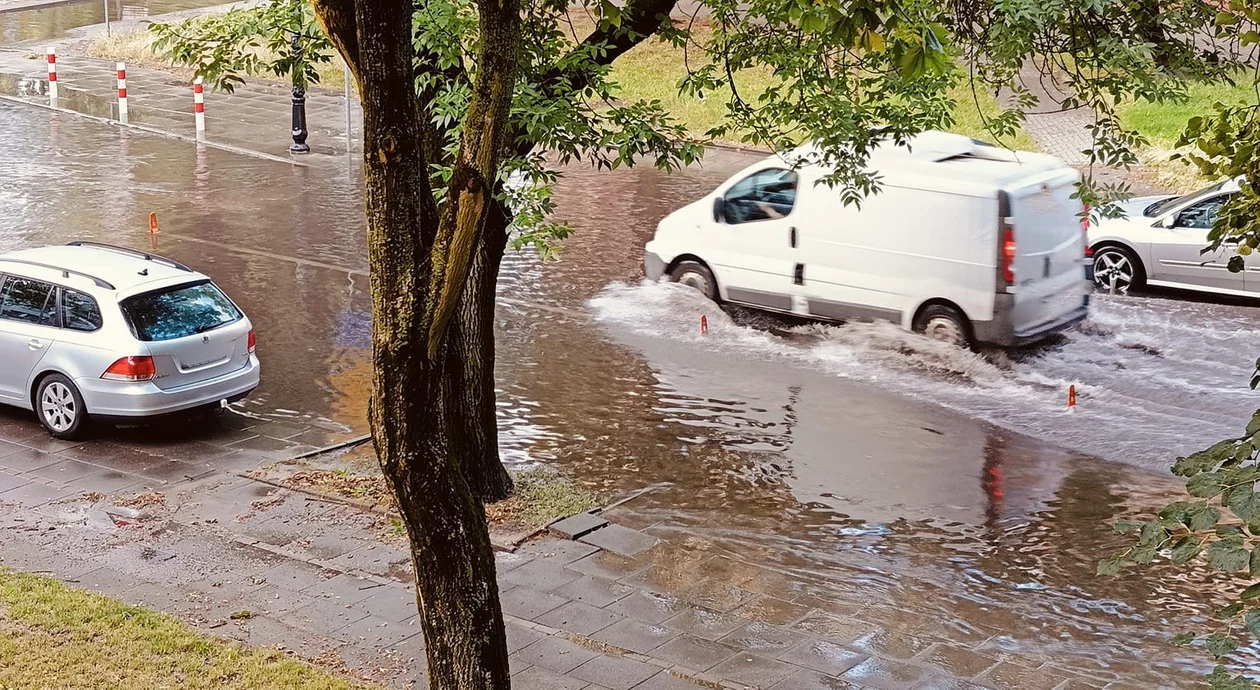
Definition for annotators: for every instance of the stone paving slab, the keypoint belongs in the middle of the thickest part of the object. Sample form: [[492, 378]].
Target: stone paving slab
[[318, 581]]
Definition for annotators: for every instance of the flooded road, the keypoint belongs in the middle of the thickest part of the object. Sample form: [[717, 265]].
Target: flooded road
[[876, 470], [37, 24]]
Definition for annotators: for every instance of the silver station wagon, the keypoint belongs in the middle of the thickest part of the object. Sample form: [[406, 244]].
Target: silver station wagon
[[94, 332]]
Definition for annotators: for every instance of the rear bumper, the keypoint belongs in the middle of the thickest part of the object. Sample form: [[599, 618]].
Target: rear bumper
[[1001, 331], [129, 401]]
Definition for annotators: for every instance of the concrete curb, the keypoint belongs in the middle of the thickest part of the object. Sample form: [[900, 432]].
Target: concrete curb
[[150, 130]]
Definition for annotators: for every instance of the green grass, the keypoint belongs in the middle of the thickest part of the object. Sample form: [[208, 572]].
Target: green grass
[[1162, 123], [653, 70], [54, 636]]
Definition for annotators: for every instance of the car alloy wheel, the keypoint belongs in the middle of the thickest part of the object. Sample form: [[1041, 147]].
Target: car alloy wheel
[[58, 406], [1114, 264]]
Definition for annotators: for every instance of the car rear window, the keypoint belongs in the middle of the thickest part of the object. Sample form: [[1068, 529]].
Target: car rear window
[[179, 311]]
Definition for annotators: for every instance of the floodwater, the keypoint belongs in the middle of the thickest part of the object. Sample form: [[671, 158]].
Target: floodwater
[[54, 21], [885, 471]]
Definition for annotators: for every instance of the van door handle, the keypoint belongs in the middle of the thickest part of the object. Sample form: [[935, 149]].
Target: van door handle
[[35, 344], [798, 276], [792, 237]]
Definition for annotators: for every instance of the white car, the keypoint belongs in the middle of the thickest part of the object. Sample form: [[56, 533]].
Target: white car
[[965, 242], [1160, 240], [93, 331]]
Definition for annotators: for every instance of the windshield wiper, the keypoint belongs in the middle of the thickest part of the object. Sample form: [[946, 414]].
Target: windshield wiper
[[211, 327]]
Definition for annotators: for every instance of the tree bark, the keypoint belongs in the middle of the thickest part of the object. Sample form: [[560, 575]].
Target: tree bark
[[411, 418], [473, 354]]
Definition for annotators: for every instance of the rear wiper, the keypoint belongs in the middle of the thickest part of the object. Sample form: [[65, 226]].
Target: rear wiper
[[211, 327]]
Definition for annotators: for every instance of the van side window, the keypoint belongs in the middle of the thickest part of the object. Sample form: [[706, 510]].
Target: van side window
[[31, 301], [1201, 216], [761, 196], [79, 311]]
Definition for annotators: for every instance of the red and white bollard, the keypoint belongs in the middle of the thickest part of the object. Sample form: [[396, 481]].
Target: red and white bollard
[[52, 76], [199, 108], [122, 92]]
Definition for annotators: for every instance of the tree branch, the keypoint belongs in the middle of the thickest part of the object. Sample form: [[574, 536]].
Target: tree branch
[[473, 176], [337, 18]]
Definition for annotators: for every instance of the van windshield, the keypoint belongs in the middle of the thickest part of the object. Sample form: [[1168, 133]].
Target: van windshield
[[179, 311]]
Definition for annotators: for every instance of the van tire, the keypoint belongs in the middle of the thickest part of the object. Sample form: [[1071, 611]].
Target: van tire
[[696, 275], [944, 323], [66, 417], [1122, 258]]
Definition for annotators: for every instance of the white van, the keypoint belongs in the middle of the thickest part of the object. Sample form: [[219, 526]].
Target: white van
[[966, 242]]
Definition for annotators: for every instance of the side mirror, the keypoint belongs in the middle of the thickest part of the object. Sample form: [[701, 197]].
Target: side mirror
[[719, 210], [1166, 222]]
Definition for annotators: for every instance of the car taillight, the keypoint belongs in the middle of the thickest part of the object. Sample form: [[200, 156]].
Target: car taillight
[[1008, 256], [253, 342], [131, 369], [1089, 251]]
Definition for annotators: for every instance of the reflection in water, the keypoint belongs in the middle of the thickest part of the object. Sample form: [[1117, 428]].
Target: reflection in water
[[821, 454], [55, 20]]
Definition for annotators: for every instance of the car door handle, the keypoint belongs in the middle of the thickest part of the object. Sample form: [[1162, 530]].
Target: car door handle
[[792, 237], [34, 344]]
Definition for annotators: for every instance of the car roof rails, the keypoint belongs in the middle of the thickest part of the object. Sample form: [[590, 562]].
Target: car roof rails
[[65, 272], [132, 252]]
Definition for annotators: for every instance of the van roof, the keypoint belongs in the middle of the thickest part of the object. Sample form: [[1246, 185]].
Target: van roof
[[96, 268], [952, 160]]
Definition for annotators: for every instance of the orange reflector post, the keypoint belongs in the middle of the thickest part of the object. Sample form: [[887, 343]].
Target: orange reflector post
[[1071, 396], [153, 224], [704, 324]]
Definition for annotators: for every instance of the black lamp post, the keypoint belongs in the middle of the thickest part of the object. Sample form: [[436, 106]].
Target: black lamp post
[[299, 98]]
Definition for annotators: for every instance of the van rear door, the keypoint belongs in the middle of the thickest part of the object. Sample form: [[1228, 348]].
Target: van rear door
[[1050, 284]]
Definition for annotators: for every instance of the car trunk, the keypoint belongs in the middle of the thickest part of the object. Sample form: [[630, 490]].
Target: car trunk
[[193, 332], [1049, 269]]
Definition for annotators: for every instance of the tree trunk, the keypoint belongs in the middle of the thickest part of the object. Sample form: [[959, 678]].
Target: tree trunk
[[472, 352], [413, 427]]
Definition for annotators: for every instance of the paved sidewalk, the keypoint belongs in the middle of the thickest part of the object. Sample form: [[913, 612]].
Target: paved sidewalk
[[255, 117], [619, 608]]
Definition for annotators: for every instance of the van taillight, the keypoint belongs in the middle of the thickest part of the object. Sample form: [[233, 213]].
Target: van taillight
[[1008, 256], [131, 369], [1089, 251], [253, 342]]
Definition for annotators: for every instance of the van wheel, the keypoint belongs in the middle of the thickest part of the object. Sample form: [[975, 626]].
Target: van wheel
[[1118, 262], [696, 275], [60, 408], [944, 324]]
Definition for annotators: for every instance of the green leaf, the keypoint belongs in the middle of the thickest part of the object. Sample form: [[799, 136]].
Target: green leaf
[[1227, 612], [1228, 555], [1252, 621], [1220, 679], [1254, 563], [1126, 526], [1182, 639], [1110, 566], [1152, 533], [1205, 485], [1251, 592], [1202, 517], [1242, 501], [1185, 550], [1220, 644], [1254, 425], [1226, 19]]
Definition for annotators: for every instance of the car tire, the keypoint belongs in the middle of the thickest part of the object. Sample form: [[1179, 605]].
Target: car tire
[[945, 324], [60, 408], [696, 275], [1108, 259]]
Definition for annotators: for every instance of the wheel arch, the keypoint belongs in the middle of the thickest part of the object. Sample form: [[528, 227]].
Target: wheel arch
[[683, 258], [941, 301], [39, 378]]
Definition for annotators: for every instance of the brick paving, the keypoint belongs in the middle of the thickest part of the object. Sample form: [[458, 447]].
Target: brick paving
[[331, 583]]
